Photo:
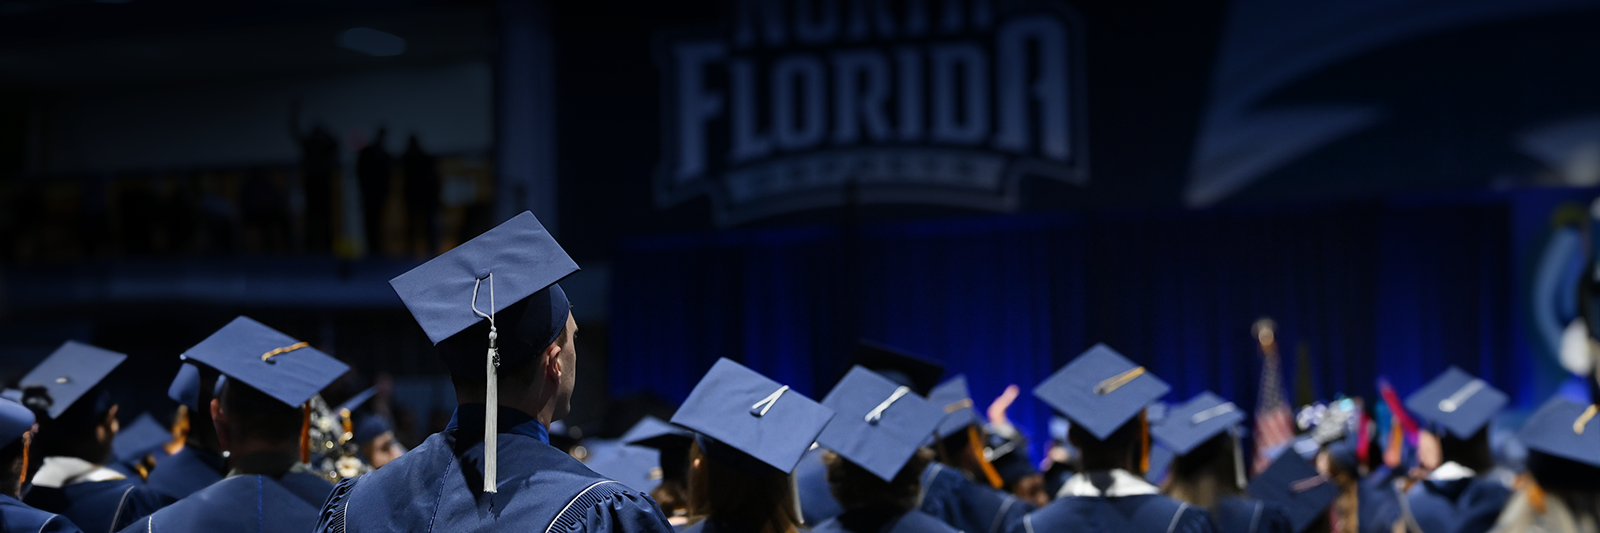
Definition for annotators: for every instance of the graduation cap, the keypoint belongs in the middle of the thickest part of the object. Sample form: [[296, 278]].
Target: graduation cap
[[11, 394], [138, 438], [71, 372], [185, 388], [897, 365], [636, 467], [14, 421], [364, 427], [1294, 483], [517, 262], [1565, 429], [879, 424], [1100, 390], [1192, 423], [953, 397], [652, 432], [1458, 401], [751, 422], [1160, 461], [279, 366]]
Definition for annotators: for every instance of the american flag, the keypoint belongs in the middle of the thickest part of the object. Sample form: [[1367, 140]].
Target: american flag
[[1274, 419]]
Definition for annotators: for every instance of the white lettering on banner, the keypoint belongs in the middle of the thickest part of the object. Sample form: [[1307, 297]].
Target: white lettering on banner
[[943, 102]]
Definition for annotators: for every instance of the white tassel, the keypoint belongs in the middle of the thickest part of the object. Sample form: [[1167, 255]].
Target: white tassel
[[491, 425], [1238, 460]]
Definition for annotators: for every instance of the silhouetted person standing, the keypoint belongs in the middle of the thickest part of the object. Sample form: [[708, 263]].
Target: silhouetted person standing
[[373, 168], [422, 194], [319, 159]]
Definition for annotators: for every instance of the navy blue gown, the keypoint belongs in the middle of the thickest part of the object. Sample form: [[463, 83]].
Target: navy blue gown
[[1446, 506], [437, 487], [966, 505], [1238, 514], [1378, 501], [1149, 513], [883, 521], [174, 478], [249, 502], [92, 506], [19, 518]]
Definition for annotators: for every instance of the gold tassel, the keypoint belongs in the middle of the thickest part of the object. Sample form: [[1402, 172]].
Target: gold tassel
[[22, 478], [180, 430], [1144, 444], [305, 432], [976, 445]]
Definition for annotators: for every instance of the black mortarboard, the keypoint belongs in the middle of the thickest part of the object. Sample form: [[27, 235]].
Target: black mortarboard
[[71, 372], [1100, 390], [900, 367]]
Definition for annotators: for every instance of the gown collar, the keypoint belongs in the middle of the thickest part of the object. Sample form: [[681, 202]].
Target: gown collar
[[468, 418], [1118, 483]]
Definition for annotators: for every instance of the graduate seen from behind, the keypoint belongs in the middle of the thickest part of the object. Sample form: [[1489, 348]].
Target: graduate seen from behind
[[197, 465], [504, 328], [1105, 395], [750, 432], [875, 459], [77, 423], [1457, 408], [259, 411], [1208, 468], [16, 434]]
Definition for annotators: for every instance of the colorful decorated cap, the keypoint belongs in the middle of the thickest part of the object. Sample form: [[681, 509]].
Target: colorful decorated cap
[[1459, 402], [14, 421], [1565, 429], [508, 273], [139, 438], [185, 388], [749, 421], [953, 397], [279, 366], [1192, 423], [879, 424], [899, 366], [1294, 483], [71, 372], [1100, 390]]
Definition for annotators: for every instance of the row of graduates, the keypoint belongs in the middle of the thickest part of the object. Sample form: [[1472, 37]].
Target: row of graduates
[[892, 453]]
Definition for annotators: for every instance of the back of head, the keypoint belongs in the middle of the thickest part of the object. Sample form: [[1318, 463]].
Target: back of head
[[73, 434], [1205, 474], [1119, 450], [740, 499], [1472, 452], [257, 419], [856, 488]]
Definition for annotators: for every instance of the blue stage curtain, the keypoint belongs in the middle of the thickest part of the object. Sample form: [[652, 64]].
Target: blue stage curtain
[[1396, 290]]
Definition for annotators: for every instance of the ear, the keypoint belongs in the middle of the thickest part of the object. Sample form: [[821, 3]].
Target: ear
[[552, 362], [219, 421], [111, 420]]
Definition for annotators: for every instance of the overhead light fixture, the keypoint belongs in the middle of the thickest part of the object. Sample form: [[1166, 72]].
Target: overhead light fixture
[[372, 42]]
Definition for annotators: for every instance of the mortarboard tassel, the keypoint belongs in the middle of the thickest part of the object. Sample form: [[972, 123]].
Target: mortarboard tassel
[[1239, 479], [989, 473], [1144, 441], [305, 432], [491, 393]]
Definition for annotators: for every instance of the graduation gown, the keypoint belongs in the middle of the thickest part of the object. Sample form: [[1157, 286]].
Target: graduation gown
[[966, 505], [87, 495], [1114, 502], [1443, 502], [883, 521], [244, 502], [1238, 514], [174, 478], [16, 517], [1379, 501], [439, 484]]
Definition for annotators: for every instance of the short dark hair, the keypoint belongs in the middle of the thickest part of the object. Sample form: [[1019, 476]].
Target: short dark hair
[[1112, 452], [255, 416], [856, 488], [73, 433]]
